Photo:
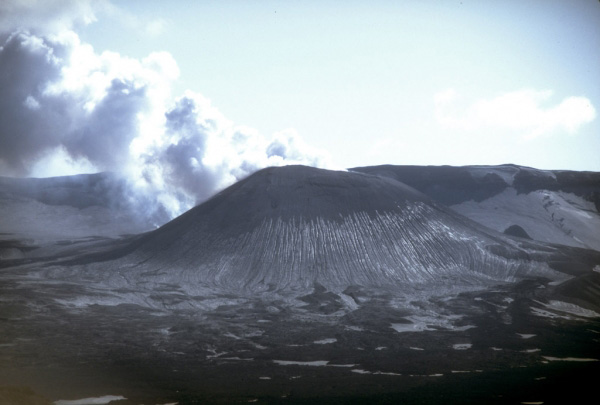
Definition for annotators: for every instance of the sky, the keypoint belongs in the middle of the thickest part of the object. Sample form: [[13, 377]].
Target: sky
[[186, 97]]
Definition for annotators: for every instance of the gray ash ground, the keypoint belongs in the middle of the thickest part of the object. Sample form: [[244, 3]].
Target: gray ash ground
[[477, 346]]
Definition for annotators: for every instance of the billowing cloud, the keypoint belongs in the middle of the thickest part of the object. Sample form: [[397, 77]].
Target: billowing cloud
[[30, 122], [66, 108], [150, 27], [527, 113], [201, 152], [55, 16], [45, 16], [59, 94]]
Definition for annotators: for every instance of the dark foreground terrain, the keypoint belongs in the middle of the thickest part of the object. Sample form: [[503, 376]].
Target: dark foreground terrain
[[499, 345], [147, 320]]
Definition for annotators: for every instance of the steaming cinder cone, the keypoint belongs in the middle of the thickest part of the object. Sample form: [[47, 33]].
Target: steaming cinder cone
[[291, 227]]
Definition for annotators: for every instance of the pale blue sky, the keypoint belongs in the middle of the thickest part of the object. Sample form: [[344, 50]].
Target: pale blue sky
[[359, 79]]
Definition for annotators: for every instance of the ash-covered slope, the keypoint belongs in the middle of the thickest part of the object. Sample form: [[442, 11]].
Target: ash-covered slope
[[553, 206], [294, 226], [79, 191], [64, 207]]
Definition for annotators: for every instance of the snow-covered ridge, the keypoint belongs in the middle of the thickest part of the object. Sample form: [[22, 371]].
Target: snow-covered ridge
[[553, 206], [547, 216]]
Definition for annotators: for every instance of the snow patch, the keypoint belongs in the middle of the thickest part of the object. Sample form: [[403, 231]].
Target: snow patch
[[426, 375], [316, 363], [409, 327], [420, 323], [549, 358], [325, 341], [570, 309], [234, 358], [547, 216], [90, 401], [548, 314], [361, 371]]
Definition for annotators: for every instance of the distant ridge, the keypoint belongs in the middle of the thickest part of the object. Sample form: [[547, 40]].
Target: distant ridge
[[456, 184], [556, 206], [84, 205]]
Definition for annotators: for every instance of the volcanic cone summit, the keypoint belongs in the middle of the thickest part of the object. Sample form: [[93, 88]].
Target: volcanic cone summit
[[294, 226]]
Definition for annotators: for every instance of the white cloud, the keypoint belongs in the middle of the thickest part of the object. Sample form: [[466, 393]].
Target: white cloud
[[201, 151], [287, 147], [56, 16], [155, 27], [65, 108], [152, 27], [45, 16], [58, 162], [527, 113]]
